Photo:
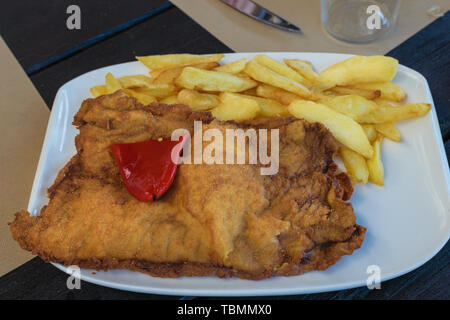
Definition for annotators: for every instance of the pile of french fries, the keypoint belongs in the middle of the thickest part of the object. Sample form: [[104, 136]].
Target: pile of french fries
[[355, 98]]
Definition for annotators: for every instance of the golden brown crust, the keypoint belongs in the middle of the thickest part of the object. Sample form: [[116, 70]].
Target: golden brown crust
[[65, 171], [321, 258], [221, 220]]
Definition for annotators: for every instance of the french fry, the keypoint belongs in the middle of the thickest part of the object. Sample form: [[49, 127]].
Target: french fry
[[304, 68], [205, 65], [281, 69], [321, 88], [369, 94], [135, 81], [233, 67], [375, 165], [355, 164], [344, 129], [244, 76], [168, 76], [206, 80], [172, 60], [388, 113], [234, 107], [359, 69], [266, 91], [280, 95], [196, 100], [269, 107], [154, 73], [111, 83], [388, 90], [351, 105], [158, 90], [98, 90], [143, 98], [389, 130], [250, 92], [263, 74], [325, 98], [170, 99], [370, 131]]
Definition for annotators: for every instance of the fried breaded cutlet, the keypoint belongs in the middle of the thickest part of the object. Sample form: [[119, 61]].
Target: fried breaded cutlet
[[219, 220]]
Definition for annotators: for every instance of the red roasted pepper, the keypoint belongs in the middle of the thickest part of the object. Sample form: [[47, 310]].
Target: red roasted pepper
[[146, 167]]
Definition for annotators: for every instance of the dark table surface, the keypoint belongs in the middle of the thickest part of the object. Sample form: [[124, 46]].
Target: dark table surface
[[115, 31]]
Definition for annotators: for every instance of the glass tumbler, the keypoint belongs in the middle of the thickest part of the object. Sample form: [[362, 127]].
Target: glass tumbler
[[359, 21]]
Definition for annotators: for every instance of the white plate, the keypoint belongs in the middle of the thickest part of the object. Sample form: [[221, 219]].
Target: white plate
[[407, 219]]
